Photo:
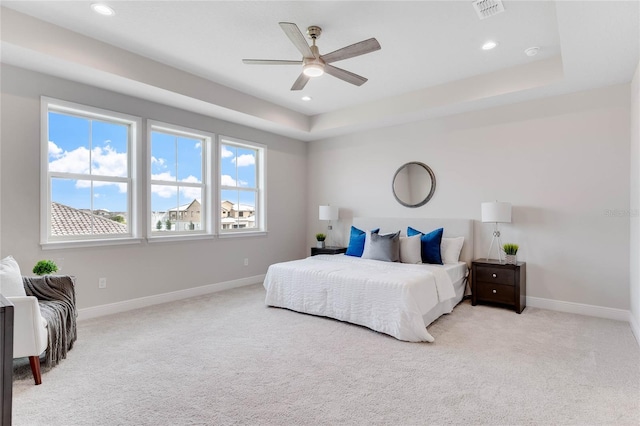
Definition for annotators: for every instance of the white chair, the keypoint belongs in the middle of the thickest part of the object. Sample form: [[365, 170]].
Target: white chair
[[29, 332], [29, 327]]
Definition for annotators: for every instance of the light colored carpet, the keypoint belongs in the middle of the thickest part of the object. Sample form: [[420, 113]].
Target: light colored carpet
[[225, 358]]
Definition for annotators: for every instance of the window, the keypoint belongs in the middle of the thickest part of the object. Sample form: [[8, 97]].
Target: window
[[242, 187], [89, 175], [180, 179]]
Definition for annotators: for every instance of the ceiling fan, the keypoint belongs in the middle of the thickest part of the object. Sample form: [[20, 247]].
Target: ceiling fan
[[314, 64]]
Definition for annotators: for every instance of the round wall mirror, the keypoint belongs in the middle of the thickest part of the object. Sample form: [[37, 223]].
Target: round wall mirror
[[414, 184]]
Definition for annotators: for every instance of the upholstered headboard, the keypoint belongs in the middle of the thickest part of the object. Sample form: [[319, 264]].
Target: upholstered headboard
[[452, 228]]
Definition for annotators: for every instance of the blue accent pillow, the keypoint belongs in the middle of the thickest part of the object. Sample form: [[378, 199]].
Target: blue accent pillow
[[430, 243], [356, 241]]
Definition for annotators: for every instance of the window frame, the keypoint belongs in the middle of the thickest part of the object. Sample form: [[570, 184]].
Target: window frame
[[134, 123], [260, 189], [207, 182]]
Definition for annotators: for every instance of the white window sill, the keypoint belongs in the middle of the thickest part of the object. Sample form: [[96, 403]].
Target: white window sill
[[179, 237], [54, 245], [239, 234]]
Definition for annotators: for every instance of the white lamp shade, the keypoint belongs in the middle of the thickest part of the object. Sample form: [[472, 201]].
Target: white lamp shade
[[328, 213], [496, 212]]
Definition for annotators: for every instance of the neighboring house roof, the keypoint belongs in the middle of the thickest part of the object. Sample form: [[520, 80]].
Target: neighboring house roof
[[184, 206], [66, 220], [243, 207]]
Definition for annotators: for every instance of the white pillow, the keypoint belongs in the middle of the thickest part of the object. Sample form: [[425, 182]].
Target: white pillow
[[410, 249], [10, 278], [450, 249]]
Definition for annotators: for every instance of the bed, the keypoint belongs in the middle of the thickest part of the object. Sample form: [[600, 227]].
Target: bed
[[397, 299]]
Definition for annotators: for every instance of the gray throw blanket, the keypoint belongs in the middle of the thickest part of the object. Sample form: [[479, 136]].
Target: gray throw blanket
[[57, 299]]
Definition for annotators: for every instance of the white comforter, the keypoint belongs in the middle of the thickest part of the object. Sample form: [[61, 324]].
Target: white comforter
[[384, 296]]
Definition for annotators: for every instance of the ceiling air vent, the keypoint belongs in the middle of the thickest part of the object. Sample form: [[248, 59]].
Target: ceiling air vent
[[487, 8]]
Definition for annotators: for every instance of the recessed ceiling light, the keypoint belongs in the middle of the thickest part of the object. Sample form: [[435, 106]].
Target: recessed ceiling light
[[102, 9], [306, 98], [532, 51], [489, 45]]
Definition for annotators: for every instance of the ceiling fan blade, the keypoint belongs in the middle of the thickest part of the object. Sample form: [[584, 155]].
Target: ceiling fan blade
[[293, 32], [270, 62], [357, 49], [345, 75], [300, 82]]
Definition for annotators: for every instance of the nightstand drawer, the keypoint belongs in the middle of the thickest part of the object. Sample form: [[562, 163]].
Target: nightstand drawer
[[499, 293], [495, 275]]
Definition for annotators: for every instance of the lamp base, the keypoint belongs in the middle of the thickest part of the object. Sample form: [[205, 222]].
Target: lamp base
[[496, 239]]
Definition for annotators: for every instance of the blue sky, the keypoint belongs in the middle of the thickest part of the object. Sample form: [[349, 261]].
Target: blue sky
[[77, 145]]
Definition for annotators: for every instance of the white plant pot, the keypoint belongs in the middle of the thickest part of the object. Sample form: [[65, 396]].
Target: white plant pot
[[320, 244], [510, 259]]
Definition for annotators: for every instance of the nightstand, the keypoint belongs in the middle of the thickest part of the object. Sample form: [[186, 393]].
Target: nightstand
[[493, 281], [328, 250]]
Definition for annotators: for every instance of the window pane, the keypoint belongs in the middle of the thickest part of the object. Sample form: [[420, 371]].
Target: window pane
[[163, 157], [228, 173], [189, 160], [164, 201], [190, 209], [246, 166], [68, 143], [73, 213], [110, 200], [238, 209], [109, 149]]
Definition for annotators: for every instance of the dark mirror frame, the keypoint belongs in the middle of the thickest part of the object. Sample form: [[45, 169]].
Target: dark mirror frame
[[433, 184]]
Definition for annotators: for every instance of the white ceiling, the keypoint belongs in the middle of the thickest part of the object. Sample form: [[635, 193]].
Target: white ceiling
[[189, 54]]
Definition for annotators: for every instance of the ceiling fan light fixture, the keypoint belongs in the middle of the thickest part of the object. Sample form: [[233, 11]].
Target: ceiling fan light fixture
[[313, 69]]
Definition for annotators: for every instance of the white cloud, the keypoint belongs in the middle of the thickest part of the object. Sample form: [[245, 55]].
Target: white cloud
[[244, 160], [105, 162], [227, 180], [191, 179], [226, 153], [191, 193], [159, 162], [197, 145], [164, 191], [76, 161], [54, 150], [165, 176]]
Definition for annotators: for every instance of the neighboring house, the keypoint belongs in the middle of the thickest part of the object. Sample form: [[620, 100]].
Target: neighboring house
[[66, 220], [187, 212], [237, 215]]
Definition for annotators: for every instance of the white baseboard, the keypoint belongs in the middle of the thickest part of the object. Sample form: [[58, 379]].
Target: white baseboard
[[635, 327], [142, 302], [578, 308]]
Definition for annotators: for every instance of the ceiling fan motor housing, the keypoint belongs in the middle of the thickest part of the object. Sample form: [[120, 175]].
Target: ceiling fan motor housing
[[314, 32]]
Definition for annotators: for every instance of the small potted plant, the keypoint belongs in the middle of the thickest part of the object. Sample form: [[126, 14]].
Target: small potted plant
[[45, 267], [320, 240], [510, 251]]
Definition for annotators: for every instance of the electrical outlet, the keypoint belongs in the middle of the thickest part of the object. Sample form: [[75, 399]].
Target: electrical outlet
[[102, 283], [246, 261]]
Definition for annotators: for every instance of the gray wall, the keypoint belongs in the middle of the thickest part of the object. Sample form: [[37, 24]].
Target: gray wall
[[562, 162], [135, 271]]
